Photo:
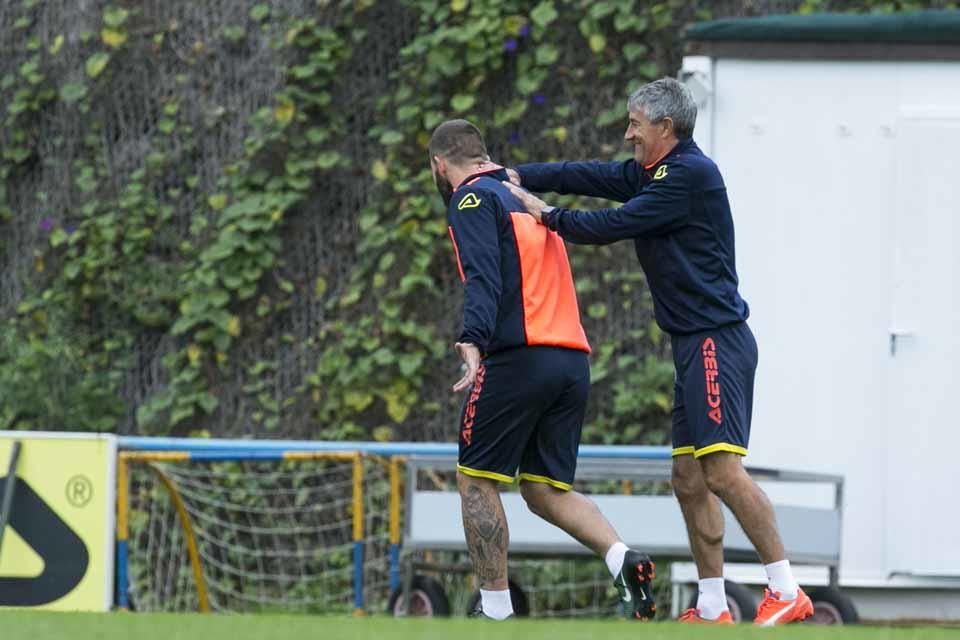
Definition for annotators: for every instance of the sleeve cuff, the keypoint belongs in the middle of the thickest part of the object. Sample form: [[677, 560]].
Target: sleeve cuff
[[469, 336], [551, 218]]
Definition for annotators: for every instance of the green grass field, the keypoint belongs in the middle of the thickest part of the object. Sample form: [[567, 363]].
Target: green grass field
[[16, 625]]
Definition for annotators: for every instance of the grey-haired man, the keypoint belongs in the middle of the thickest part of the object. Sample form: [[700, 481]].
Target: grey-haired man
[[676, 211]]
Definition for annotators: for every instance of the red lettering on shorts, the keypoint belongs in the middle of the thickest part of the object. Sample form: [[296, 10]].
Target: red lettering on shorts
[[711, 369], [470, 414]]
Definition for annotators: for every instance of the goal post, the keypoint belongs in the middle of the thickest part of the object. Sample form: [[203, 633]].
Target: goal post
[[257, 528]]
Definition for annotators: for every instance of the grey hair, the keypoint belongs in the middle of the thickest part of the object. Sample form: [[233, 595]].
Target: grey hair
[[667, 98]]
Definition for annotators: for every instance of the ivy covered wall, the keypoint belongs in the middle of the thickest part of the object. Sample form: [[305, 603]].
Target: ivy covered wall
[[218, 217]]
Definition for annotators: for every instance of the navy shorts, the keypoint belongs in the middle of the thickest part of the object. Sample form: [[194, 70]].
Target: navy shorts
[[713, 399], [525, 411]]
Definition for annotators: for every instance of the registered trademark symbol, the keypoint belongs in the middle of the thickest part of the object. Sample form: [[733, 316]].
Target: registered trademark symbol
[[79, 491]]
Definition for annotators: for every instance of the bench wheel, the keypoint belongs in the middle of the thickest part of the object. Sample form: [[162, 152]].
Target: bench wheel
[[831, 606], [427, 598], [740, 601]]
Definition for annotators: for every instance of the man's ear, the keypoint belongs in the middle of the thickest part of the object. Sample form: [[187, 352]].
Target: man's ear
[[667, 127], [441, 165]]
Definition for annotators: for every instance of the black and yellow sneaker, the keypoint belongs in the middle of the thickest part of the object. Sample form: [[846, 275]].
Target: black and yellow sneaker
[[635, 584]]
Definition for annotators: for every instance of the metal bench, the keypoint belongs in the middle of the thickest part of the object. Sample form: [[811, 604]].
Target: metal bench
[[653, 523]]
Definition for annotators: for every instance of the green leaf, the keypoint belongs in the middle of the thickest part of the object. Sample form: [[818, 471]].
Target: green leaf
[[547, 54], [316, 135], [73, 91], [357, 400], [217, 201], [115, 16], [431, 119], [543, 14], [146, 415], [633, 50], [407, 112], [328, 159], [97, 63], [391, 137], [350, 297], [113, 37], [383, 356], [611, 115], [598, 43], [649, 70], [409, 365], [461, 102], [218, 298], [182, 412], [58, 237], [208, 402], [259, 12], [283, 112], [300, 184], [234, 33], [57, 45], [532, 80], [232, 281], [625, 21], [601, 9], [597, 310], [512, 113], [397, 409]]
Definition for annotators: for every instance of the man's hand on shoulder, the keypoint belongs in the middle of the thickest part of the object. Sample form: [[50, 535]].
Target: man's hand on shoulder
[[514, 177], [532, 204]]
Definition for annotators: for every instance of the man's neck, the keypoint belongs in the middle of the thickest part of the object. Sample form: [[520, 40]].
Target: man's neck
[[661, 152], [456, 174]]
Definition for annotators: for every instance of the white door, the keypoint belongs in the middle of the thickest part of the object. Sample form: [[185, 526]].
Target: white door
[[923, 436], [812, 192]]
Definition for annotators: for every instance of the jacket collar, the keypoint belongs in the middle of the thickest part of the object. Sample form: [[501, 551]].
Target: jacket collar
[[682, 145], [482, 170]]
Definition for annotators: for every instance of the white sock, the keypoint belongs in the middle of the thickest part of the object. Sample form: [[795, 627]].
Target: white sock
[[496, 604], [614, 558], [780, 579], [712, 600]]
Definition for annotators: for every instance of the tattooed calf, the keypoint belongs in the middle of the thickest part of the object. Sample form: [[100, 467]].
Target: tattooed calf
[[485, 527]]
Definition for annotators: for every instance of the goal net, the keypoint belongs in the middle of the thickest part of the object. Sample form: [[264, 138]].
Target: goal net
[[256, 535], [311, 533]]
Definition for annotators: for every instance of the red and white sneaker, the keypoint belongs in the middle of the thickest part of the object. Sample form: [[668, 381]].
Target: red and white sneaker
[[773, 611], [692, 616]]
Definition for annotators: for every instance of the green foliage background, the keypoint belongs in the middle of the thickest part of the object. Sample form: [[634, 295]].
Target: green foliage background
[[220, 219]]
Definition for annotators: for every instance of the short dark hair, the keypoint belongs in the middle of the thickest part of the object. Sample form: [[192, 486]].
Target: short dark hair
[[458, 141]]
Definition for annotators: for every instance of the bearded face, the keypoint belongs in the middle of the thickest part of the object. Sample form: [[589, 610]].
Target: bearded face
[[443, 185]]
